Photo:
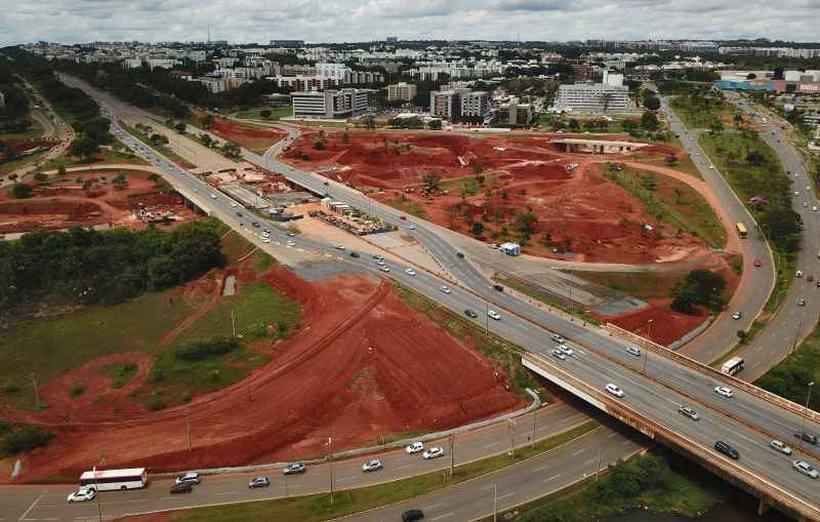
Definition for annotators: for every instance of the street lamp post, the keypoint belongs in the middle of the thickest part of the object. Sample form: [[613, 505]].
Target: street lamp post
[[330, 467], [803, 421]]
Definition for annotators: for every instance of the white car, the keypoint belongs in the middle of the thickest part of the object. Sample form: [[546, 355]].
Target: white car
[[384, 268], [266, 240], [410, 272], [737, 315], [614, 390], [445, 289], [412, 227], [372, 465], [557, 338], [213, 196], [566, 350], [805, 468], [724, 391], [558, 354], [433, 453], [84, 494], [414, 447], [492, 314], [633, 350], [780, 446], [339, 247], [188, 478]]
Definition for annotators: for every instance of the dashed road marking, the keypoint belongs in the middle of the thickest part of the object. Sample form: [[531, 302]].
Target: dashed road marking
[[446, 515], [548, 479], [578, 452], [502, 497]]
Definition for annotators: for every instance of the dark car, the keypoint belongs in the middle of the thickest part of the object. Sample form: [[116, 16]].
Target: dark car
[[499, 288], [403, 217], [184, 487], [460, 255], [470, 313], [411, 515], [239, 214], [255, 224], [727, 449], [807, 437], [354, 254]]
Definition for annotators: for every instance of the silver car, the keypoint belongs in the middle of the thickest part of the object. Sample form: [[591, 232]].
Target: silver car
[[780, 446], [805, 468], [372, 465]]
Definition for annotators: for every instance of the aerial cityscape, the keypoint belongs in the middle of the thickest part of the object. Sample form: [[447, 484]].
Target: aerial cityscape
[[513, 260]]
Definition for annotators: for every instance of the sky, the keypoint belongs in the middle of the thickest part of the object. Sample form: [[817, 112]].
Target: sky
[[244, 21]]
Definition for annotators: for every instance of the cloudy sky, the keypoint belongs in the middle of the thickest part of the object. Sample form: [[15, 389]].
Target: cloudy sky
[[241, 21]]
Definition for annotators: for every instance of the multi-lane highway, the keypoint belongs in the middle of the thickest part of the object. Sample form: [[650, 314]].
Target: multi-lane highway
[[654, 386]]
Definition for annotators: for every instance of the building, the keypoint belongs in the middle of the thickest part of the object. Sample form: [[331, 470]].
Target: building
[[597, 146], [475, 104], [343, 103], [392, 39], [609, 96], [333, 71], [363, 77], [445, 104], [401, 91], [289, 44], [514, 113]]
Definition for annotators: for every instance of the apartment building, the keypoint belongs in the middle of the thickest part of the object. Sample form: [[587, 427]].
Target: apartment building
[[474, 104], [401, 91], [342, 103], [445, 104], [608, 96], [306, 83]]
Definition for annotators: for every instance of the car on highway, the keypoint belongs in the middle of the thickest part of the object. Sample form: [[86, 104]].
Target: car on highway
[[801, 302], [492, 314], [727, 449], [415, 447], [558, 354], [758, 263], [354, 254], [805, 468], [181, 488], [470, 313], [294, 468], [411, 227], [188, 478], [338, 246], [633, 350], [234, 204], [724, 391], [259, 482], [557, 338], [737, 315], [614, 390], [266, 240], [566, 350], [798, 274], [445, 289], [412, 515], [498, 288], [780, 446], [84, 494], [687, 411], [291, 243], [213, 196], [410, 272], [807, 437], [291, 234], [433, 453], [372, 465]]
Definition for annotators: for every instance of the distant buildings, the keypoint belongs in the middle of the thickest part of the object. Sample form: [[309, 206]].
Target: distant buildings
[[330, 104], [609, 96], [474, 104], [457, 104], [401, 91], [514, 113], [288, 44]]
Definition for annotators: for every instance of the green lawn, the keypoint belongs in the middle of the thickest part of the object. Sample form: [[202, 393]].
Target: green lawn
[[644, 285], [791, 377], [672, 202], [408, 206], [548, 299], [254, 114], [697, 116], [315, 508]]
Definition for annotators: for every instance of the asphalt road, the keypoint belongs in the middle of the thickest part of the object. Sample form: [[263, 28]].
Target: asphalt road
[[745, 421]]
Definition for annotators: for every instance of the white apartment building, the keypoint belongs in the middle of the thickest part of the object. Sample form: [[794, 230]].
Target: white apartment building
[[333, 71], [341, 103], [475, 104], [401, 91], [592, 97]]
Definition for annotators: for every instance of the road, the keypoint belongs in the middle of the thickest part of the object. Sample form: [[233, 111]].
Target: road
[[746, 421]]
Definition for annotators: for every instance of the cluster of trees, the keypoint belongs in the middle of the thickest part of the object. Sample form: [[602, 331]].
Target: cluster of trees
[[86, 266], [14, 115], [16, 438], [791, 378], [699, 288]]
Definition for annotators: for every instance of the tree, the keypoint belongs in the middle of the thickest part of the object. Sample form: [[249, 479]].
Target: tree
[[265, 113], [319, 145], [40, 177], [525, 223], [716, 127], [206, 140], [61, 171], [431, 182], [477, 228], [208, 121], [85, 148], [700, 287], [652, 103], [231, 150], [21, 191], [158, 139], [782, 226], [754, 157], [649, 121], [120, 181], [181, 127], [434, 124]]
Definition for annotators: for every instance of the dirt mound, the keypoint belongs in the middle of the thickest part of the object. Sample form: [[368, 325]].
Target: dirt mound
[[660, 323], [364, 365], [248, 136]]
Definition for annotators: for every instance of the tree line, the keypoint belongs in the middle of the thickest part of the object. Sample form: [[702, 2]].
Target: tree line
[[87, 266]]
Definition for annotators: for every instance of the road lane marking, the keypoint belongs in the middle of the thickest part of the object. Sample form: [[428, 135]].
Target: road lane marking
[[542, 468], [613, 434], [492, 444], [578, 452], [434, 506], [502, 497], [26, 512], [446, 515], [228, 493], [552, 477]]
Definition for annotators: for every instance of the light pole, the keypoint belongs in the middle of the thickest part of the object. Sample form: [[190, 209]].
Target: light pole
[[511, 427], [803, 421], [495, 503], [452, 454], [330, 467]]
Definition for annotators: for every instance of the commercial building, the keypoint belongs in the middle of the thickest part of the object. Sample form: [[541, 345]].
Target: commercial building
[[445, 104], [608, 96], [474, 104], [343, 103], [401, 91], [514, 113]]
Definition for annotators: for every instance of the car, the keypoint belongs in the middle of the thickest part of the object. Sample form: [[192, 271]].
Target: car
[[810, 278], [796, 193], [380, 262], [724, 391], [410, 272], [737, 315], [433, 453], [614, 390], [470, 313], [239, 214], [337, 246], [801, 302], [633, 350], [445, 289], [758, 263], [384, 268], [234, 204], [291, 234], [188, 478], [780, 446], [492, 314], [814, 208], [259, 482], [558, 354], [266, 240], [808, 188], [557, 338], [411, 227], [354, 254], [372, 465], [686, 411], [807, 437], [798, 274], [403, 218], [498, 288], [181, 488], [566, 350], [727, 449], [805, 204], [411, 515], [291, 243], [414, 447], [805, 468], [460, 255], [84, 494], [294, 468], [818, 283], [213, 196]]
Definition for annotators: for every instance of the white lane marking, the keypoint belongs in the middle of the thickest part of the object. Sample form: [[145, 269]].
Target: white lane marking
[[502, 497], [613, 434], [36, 500], [588, 462], [552, 478], [446, 515], [490, 445], [434, 506], [578, 452], [542, 468]]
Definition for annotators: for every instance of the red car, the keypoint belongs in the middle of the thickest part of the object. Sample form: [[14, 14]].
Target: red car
[[758, 263]]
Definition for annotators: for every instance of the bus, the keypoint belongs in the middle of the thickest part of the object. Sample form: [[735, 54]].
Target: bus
[[114, 479], [732, 366], [741, 231]]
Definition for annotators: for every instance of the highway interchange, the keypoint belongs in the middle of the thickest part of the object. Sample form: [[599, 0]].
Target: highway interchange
[[745, 421]]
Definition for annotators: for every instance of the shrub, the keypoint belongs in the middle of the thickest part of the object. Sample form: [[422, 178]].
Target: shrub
[[24, 438], [76, 390], [201, 350], [21, 191]]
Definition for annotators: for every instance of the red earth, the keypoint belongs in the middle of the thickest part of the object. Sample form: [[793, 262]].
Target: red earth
[[257, 139], [364, 365]]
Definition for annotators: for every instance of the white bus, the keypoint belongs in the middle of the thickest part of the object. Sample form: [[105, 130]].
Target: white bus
[[732, 366], [114, 479]]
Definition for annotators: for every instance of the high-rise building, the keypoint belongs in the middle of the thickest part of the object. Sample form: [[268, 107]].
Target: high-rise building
[[592, 97], [445, 104], [474, 104], [341, 103], [401, 91]]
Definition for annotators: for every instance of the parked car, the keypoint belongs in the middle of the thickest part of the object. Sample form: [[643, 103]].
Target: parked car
[[181, 488], [614, 390], [259, 482], [433, 453], [780, 446], [686, 411], [415, 447], [412, 515], [727, 449], [188, 478], [84, 494], [294, 468], [372, 465], [724, 391]]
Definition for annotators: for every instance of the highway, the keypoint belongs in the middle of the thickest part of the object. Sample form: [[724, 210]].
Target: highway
[[746, 421]]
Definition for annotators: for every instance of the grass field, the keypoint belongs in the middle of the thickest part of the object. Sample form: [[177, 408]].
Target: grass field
[[672, 202], [408, 206], [699, 117], [254, 114], [644, 285], [790, 378], [316, 508]]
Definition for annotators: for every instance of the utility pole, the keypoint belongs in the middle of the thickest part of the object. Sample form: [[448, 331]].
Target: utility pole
[[532, 437], [330, 467], [495, 503], [36, 390], [233, 322], [511, 427], [452, 454], [803, 420], [600, 457]]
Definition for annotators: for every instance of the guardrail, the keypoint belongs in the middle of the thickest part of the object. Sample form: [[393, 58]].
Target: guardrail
[[657, 431], [693, 364]]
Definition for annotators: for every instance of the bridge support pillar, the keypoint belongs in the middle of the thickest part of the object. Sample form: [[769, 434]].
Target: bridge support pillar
[[762, 507]]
